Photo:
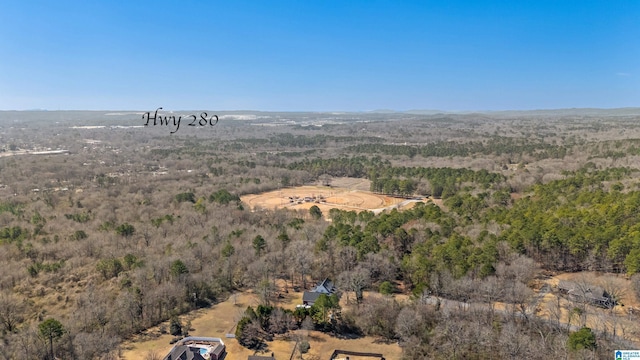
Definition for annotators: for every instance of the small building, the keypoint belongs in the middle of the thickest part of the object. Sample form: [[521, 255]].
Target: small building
[[197, 348], [255, 357], [593, 295], [347, 355]]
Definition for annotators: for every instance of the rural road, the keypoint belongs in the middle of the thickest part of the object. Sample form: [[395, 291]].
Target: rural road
[[395, 206]]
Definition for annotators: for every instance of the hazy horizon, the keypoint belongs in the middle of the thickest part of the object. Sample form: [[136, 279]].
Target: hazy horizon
[[413, 110]]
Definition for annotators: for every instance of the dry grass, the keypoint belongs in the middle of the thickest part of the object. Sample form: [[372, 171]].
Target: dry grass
[[604, 280], [221, 319], [597, 318]]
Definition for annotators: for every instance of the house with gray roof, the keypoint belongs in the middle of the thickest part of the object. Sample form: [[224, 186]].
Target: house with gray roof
[[325, 287]]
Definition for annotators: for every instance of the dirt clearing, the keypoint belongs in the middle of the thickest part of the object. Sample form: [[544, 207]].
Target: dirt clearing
[[326, 198]]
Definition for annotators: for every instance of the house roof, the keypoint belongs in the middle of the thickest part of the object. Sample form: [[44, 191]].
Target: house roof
[[183, 352], [355, 353], [310, 296], [325, 287], [218, 350], [595, 293]]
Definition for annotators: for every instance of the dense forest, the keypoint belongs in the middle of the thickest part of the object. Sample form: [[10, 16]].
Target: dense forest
[[135, 226]]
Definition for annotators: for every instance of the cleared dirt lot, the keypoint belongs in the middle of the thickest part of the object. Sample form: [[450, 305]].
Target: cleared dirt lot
[[326, 198]]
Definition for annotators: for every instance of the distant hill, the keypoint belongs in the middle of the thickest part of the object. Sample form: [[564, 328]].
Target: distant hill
[[541, 112], [627, 111], [428, 112], [382, 111], [572, 112]]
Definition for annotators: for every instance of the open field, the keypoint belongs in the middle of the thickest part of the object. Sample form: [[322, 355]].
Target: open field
[[221, 319], [216, 321]]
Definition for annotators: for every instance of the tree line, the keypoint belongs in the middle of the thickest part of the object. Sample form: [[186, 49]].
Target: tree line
[[515, 148]]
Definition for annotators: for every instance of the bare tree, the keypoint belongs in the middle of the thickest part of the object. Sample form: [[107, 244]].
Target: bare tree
[[415, 321], [280, 322], [347, 258], [325, 179], [635, 282], [31, 344], [92, 345], [378, 316], [300, 258], [439, 281], [512, 342], [491, 290], [380, 266], [265, 290], [356, 280], [616, 291], [555, 310], [11, 312], [520, 268], [521, 297]]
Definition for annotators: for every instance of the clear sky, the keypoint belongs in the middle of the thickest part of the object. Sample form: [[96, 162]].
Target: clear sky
[[319, 55]]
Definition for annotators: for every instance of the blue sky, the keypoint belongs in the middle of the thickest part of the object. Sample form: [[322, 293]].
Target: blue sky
[[319, 55]]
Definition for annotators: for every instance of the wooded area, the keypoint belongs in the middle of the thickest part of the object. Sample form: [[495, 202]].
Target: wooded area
[[136, 226]]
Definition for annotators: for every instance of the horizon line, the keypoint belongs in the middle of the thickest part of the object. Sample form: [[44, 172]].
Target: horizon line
[[337, 111]]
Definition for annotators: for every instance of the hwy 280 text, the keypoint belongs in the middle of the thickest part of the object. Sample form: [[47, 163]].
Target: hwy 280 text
[[204, 119]]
